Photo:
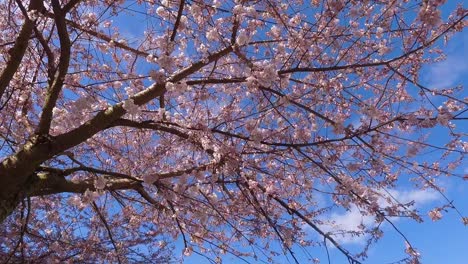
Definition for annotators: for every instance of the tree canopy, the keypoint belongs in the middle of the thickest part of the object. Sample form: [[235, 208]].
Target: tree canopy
[[231, 127]]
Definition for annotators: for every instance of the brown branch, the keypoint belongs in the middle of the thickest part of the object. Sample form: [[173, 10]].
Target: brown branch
[[70, 5], [52, 180], [149, 125], [82, 167], [161, 176], [48, 183], [50, 55], [24, 227], [178, 76], [21, 44], [109, 233], [332, 68], [101, 36], [181, 229], [251, 66], [424, 88], [235, 28], [62, 69], [177, 22], [145, 195], [216, 81], [256, 204], [155, 126]]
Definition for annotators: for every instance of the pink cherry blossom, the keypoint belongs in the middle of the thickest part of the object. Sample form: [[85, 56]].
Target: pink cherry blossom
[[153, 131]]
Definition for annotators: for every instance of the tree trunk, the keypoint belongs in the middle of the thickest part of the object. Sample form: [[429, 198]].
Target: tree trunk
[[7, 205], [16, 172]]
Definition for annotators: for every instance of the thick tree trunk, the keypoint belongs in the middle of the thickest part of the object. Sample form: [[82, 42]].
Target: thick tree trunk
[[7, 206], [13, 189], [16, 171]]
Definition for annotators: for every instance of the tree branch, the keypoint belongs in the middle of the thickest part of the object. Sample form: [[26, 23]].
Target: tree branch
[[150, 199], [62, 69], [50, 55], [177, 22], [19, 49], [109, 233], [149, 125], [48, 183], [52, 180], [70, 5]]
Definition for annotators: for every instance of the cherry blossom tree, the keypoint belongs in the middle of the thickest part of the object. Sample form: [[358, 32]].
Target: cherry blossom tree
[[129, 125]]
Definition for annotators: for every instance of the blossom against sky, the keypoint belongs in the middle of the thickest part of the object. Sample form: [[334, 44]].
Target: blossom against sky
[[274, 131], [443, 241]]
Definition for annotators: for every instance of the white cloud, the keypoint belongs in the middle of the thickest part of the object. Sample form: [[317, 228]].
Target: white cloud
[[451, 71], [352, 219], [448, 73], [420, 197], [349, 221]]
